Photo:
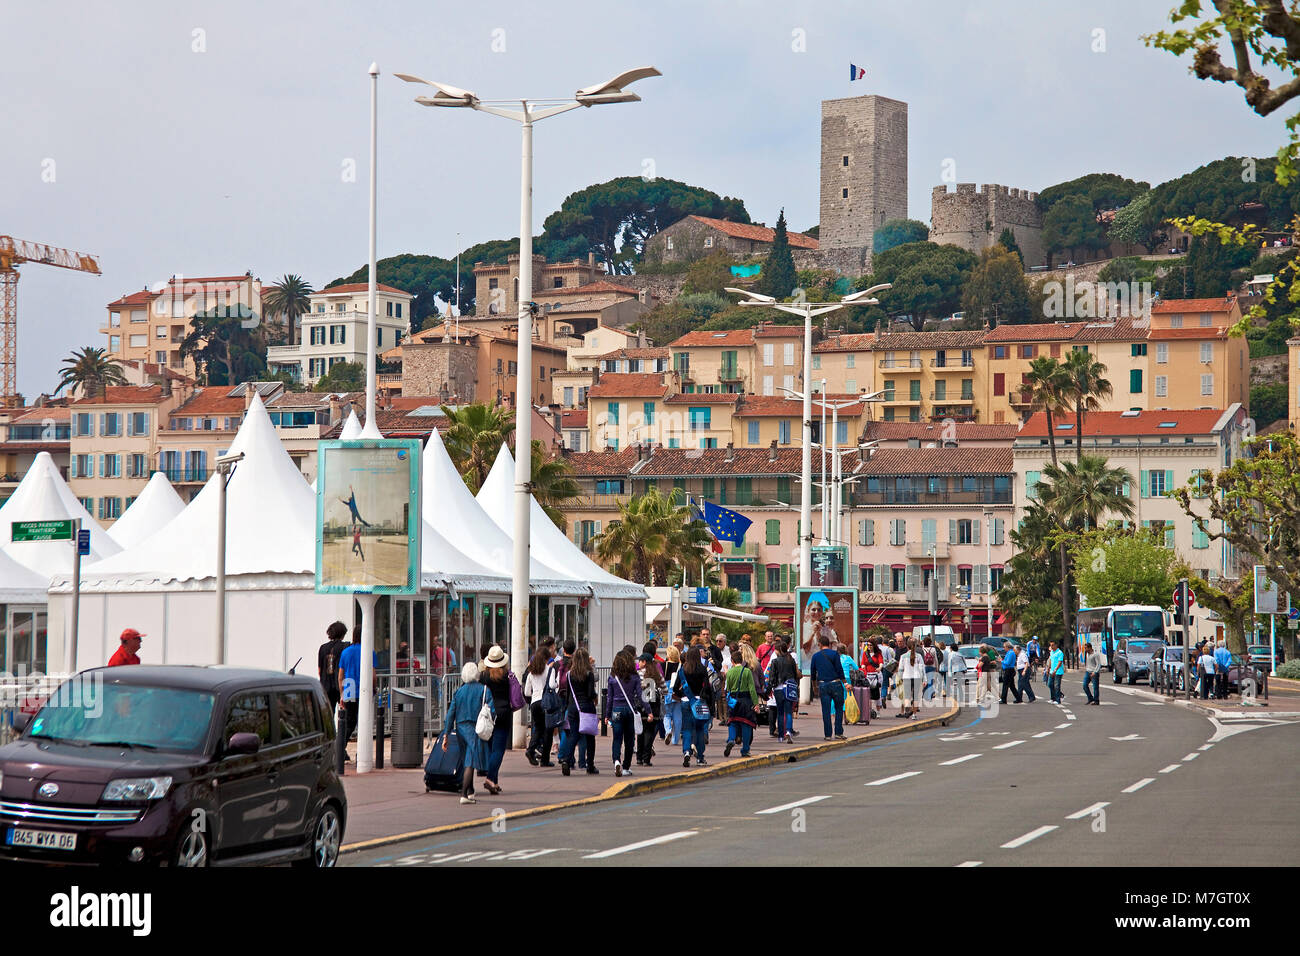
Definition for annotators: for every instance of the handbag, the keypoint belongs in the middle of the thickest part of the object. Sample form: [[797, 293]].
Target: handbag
[[637, 725], [552, 706], [587, 723], [791, 690], [486, 723], [516, 692], [699, 707]]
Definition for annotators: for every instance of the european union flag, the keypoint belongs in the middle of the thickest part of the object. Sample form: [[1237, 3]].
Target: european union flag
[[726, 525]]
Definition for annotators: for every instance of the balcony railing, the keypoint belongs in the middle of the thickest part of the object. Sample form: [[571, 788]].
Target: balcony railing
[[595, 502], [747, 550], [948, 366], [900, 363], [729, 373], [922, 593], [859, 499], [892, 398], [182, 476], [952, 399], [922, 549], [1021, 397]]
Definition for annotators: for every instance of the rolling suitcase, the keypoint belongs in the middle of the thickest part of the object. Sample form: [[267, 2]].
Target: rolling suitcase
[[862, 695], [445, 769]]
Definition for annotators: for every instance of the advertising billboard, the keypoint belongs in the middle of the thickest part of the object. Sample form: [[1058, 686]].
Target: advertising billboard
[[368, 517], [830, 611]]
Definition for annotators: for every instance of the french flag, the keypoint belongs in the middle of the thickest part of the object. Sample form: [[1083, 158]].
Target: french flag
[[856, 72]]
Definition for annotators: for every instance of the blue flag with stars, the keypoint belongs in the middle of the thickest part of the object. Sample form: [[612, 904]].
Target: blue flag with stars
[[726, 525]]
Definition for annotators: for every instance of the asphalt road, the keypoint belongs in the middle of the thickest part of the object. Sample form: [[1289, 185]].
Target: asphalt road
[[1130, 783]]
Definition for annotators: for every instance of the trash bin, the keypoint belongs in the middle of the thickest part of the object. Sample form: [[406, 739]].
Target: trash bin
[[408, 729]]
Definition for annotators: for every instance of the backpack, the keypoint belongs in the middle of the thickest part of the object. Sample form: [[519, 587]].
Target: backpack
[[928, 656]]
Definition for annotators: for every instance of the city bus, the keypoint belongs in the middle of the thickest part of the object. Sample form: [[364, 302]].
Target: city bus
[[1103, 626]]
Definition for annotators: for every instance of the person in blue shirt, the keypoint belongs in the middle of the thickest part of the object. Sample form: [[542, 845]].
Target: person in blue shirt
[[828, 674], [1009, 673], [351, 502], [1034, 651], [1223, 658], [350, 683], [1055, 672]]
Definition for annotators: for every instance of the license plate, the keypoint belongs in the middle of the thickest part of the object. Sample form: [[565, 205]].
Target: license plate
[[42, 839]]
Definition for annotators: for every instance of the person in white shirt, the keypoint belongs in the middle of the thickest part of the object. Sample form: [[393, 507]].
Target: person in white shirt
[[956, 673], [911, 674], [1022, 668], [540, 675]]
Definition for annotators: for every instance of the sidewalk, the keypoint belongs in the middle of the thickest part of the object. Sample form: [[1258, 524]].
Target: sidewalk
[[388, 805], [1283, 701]]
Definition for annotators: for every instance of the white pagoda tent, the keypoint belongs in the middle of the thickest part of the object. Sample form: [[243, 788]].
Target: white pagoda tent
[[156, 505], [43, 495]]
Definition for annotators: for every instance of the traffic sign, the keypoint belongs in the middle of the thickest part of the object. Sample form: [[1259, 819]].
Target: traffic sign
[[41, 531], [83, 542], [1191, 596], [1293, 614]]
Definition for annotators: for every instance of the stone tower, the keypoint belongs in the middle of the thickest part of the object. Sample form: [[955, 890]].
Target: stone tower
[[863, 176]]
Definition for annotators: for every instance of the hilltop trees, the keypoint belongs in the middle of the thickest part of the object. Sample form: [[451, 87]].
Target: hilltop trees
[[927, 279], [897, 232], [996, 290], [778, 276]]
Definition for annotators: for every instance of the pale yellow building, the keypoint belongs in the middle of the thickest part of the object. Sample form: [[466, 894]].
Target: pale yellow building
[[1194, 363], [928, 376], [759, 420], [761, 360]]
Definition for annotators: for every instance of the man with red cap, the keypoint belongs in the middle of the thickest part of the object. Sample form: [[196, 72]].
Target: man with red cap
[[127, 653]]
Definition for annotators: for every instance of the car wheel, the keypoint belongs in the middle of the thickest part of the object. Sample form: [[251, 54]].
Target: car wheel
[[1114, 676], [1132, 678], [326, 837], [192, 849]]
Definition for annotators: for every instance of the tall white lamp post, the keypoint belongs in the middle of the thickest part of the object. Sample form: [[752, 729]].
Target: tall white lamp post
[[807, 310], [529, 111]]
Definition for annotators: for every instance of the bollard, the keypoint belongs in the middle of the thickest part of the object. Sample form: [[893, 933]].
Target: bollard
[[340, 738]]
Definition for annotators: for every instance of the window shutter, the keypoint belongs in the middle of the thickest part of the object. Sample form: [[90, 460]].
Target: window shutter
[[103, 470], [941, 575], [72, 467], [597, 527], [1144, 487], [979, 579], [975, 529], [773, 531], [1031, 484], [1169, 534], [882, 578], [130, 424], [913, 577], [870, 527], [862, 532], [998, 530], [785, 577], [952, 530], [1169, 481]]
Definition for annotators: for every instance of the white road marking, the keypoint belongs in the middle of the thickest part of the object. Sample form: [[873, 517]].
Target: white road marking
[[897, 776], [1205, 746], [1171, 768], [949, 763], [797, 803], [1129, 737], [1062, 726], [1192, 756], [1045, 733], [1152, 703], [969, 863], [640, 845], [1031, 835], [1109, 703], [1070, 716], [1009, 743], [1139, 785], [1087, 811]]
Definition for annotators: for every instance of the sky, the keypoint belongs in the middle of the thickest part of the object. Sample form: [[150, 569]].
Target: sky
[[209, 138]]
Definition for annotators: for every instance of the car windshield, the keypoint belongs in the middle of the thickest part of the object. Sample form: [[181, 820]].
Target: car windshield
[[1143, 647], [1173, 653], [156, 718], [969, 651]]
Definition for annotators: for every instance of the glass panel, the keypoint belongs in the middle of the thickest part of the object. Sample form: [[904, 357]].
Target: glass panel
[[419, 634], [4, 638], [402, 633]]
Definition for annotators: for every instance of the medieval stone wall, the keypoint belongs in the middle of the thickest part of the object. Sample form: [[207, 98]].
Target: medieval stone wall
[[973, 218]]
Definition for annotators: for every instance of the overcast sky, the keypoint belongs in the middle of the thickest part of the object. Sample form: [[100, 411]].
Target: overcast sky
[[223, 150]]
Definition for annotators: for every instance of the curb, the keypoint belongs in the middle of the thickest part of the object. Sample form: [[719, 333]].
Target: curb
[[632, 788]]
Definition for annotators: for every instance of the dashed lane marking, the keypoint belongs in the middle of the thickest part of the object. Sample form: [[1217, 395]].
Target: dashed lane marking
[[1171, 768], [1045, 733], [1205, 746], [969, 863], [1031, 835], [1087, 811], [640, 845], [949, 763], [1134, 788], [796, 803], [1192, 756], [1061, 726], [897, 776], [1009, 743]]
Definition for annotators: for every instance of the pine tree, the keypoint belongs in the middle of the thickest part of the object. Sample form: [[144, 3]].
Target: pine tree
[[778, 275]]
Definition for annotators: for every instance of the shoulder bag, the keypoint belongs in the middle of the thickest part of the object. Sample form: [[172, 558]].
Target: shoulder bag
[[636, 714], [699, 707], [587, 723], [486, 722], [516, 692]]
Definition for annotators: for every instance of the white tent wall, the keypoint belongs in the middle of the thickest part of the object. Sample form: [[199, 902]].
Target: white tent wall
[[265, 628]]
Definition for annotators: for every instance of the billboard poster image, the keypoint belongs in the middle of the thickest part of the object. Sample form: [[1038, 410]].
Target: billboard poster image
[[831, 611], [368, 517]]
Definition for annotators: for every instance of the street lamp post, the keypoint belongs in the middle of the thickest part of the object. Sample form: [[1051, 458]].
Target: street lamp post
[[225, 468], [529, 112], [808, 310], [988, 568]]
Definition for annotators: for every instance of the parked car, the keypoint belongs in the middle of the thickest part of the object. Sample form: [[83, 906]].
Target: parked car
[[1133, 659], [1262, 654], [1238, 667], [182, 766], [1166, 668]]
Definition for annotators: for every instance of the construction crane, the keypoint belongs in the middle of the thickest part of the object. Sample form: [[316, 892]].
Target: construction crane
[[13, 253]]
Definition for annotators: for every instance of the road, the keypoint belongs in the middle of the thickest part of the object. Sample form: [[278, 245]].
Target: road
[[1129, 783]]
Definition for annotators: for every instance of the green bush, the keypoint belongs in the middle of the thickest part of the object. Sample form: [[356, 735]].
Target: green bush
[[1290, 670]]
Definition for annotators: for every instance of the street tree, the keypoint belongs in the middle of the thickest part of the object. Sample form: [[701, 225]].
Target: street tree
[[1049, 392], [227, 344], [1112, 566], [290, 299], [1087, 387], [652, 534], [342, 377], [553, 485]]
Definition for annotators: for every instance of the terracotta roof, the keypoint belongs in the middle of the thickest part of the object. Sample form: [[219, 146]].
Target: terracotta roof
[[313, 399], [577, 418], [964, 431], [600, 285], [1038, 332], [633, 353], [1200, 421], [394, 423], [213, 400], [763, 406], [853, 342], [660, 462], [940, 461], [778, 331], [722, 338], [352, 287], [628, 385], [126, 395], [891, 341], [56, 413], [1184, 306], [1120, 329], [1209, 332], [703, 398], [152, 368], [135, 298], [740, 230]]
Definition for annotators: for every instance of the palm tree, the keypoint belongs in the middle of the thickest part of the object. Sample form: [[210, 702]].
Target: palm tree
[[91, 371], [553, 485], [1078, 494], [474, 439], [289, 298], [651, 535], [1088, 387], [1048, 391]]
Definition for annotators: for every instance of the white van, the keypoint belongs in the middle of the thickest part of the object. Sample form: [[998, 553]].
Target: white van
[[940, 632]]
